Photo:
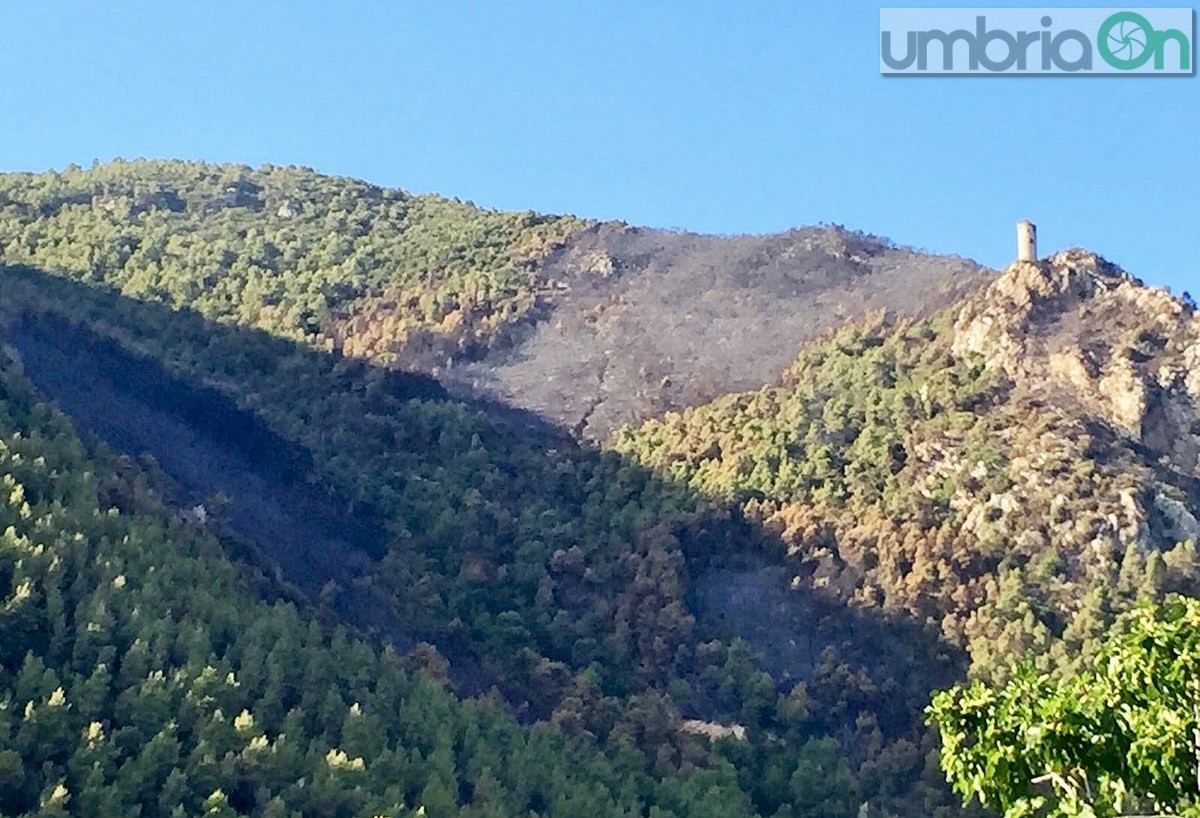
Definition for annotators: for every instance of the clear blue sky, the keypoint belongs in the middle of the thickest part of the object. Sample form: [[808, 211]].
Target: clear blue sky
[[718, 117]]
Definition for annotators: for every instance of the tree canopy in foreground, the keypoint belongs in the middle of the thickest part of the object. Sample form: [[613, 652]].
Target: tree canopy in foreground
[[1120, 738]]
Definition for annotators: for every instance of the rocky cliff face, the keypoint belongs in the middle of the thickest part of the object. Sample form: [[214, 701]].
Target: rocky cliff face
[[1083, 336], [1081, 329]]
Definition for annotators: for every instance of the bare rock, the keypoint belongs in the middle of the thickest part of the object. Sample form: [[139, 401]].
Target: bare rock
[[712, 730], [1123, 394], [1077, 328], [1184, 525]]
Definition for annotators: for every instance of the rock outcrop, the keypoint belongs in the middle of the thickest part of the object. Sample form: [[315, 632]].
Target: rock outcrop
[[1081, 330]]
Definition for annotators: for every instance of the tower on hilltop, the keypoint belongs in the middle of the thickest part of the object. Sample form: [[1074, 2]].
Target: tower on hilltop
[[1026, 241]]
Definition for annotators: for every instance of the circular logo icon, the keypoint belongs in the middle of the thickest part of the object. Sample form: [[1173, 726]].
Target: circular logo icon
[[1126, 40]]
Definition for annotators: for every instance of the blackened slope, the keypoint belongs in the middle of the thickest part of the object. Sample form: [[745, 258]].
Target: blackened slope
[[88, 369], [636, 322]]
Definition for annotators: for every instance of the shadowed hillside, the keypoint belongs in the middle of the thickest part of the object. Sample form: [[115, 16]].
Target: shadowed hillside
[[230, 473], [140, 676], [588, 591]]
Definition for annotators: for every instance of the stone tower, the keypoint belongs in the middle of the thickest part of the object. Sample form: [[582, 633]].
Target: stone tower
[[1026, 241]]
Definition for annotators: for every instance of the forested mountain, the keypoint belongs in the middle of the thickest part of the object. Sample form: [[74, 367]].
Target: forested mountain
[[348, 445], [139, 673], [1011, 471], [589, 325]]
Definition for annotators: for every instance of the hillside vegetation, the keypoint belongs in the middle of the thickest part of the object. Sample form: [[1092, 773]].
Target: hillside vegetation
[[587, 324], [284, 249], [963, 471], [139, 676], [922, 495]]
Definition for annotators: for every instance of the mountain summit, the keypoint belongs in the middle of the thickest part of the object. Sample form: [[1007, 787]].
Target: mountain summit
[[1082, 329]]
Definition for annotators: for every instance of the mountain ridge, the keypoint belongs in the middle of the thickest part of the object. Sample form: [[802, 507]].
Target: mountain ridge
[[491, 303], [801, 533]]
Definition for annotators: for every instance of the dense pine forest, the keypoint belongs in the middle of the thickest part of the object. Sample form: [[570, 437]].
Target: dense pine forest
[[262, 554]]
